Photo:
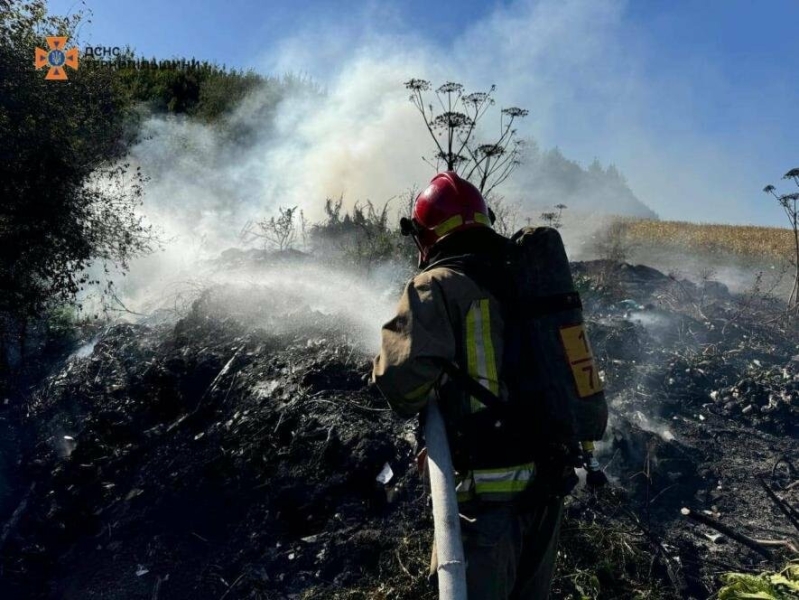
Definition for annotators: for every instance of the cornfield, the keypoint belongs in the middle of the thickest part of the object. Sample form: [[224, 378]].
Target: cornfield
[[736, 240]]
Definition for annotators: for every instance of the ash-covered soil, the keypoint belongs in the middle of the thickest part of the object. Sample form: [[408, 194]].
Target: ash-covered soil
[[236, 454]]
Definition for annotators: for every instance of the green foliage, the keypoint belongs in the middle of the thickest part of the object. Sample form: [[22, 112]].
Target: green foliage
[[68, 200], [765, 586], [222, 90], [61, 321], [196, 88], [362, 237]]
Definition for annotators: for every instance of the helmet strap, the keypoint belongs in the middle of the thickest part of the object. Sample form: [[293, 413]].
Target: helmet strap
[[409, 227], [422, 254]]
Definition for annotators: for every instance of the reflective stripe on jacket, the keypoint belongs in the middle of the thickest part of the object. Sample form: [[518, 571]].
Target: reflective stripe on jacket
[[443, 314], [495, 484]]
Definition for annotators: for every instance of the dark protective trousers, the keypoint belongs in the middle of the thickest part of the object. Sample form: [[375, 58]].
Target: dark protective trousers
[[510, 554]]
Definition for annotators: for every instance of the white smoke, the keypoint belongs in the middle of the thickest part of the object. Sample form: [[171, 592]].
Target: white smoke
[[571, 63], [583, 70], [362, 138], [206, 184]]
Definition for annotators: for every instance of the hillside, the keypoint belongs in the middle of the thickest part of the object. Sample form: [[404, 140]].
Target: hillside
[[211, 94], [547, 178]]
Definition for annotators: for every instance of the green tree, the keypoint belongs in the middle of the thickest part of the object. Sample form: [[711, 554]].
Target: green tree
[[196, 88], [361, 237], [68, 200]]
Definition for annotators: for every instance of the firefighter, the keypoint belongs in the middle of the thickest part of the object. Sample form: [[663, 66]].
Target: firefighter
[[452, 313]]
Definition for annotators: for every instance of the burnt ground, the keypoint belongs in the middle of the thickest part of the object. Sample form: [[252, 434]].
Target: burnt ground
[[235, 455]]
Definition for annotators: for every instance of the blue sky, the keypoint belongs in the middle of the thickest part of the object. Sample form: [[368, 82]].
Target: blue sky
[[696, 102]]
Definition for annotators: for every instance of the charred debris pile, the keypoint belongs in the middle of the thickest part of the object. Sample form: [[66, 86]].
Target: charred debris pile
[[241, 453]]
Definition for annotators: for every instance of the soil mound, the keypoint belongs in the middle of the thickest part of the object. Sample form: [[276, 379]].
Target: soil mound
[[242, 453]]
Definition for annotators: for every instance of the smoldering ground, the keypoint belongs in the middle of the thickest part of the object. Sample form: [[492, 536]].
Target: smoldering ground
[[235, 450]]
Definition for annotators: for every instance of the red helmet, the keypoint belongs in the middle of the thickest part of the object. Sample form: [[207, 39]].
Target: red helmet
[[449, 204]]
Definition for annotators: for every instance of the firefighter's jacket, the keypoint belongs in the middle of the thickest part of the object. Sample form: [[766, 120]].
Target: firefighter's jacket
[[443, 314]]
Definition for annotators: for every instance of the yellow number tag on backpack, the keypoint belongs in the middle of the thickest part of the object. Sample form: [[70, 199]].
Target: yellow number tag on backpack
[[581, 360]]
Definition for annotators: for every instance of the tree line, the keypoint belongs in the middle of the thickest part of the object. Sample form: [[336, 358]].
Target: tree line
[[69, 198]]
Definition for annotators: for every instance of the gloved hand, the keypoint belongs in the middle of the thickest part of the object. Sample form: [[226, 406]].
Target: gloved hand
[[595, 476], [596, 479]]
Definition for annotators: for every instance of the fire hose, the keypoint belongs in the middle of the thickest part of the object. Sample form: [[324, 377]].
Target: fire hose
[[446, 519]]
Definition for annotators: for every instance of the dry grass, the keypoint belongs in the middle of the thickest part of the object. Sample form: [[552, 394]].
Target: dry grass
[[736, 240]]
